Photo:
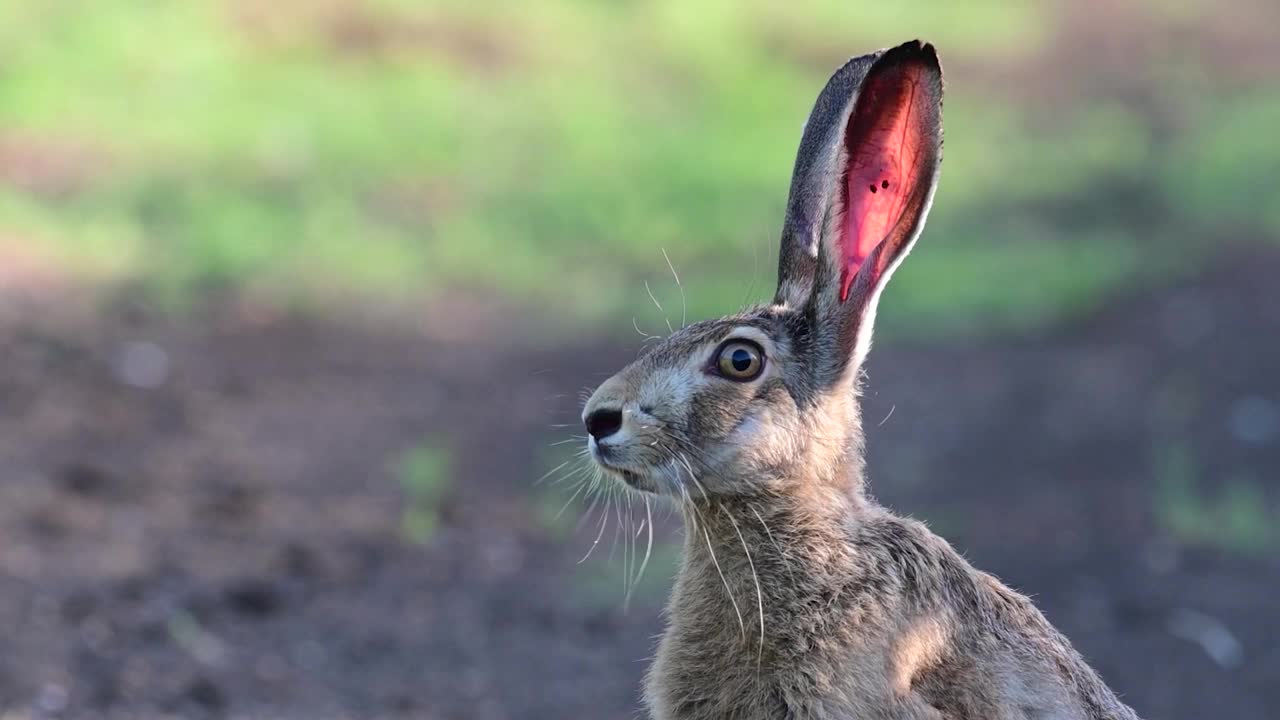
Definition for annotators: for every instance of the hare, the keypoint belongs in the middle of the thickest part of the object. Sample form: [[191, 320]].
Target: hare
[[797, 596]]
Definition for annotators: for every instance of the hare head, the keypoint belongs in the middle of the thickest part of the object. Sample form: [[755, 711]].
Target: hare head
[[747, 403]]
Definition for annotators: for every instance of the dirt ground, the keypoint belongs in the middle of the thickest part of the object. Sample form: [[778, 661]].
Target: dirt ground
[[197, 519]]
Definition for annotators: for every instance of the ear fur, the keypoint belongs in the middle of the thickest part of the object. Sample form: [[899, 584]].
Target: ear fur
[[863, 182]]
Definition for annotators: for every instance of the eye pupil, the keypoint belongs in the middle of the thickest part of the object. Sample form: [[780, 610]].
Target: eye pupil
[[740, 360]]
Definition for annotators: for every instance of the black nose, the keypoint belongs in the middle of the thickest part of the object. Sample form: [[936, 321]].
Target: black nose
[[604, 422]]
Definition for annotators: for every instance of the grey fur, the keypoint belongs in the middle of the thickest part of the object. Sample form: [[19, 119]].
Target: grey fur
[[798, 597]]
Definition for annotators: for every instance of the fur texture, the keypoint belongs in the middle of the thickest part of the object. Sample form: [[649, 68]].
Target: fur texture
[[799, 597]]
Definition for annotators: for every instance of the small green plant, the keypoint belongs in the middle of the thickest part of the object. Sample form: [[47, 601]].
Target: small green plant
[[423, 474], [1236, 520]]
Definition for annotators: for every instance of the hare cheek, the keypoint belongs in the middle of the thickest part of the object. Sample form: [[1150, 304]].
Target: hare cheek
[[763, 440], [666, 392]]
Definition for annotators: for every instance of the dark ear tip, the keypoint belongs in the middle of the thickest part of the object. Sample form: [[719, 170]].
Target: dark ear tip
[[914, 51]]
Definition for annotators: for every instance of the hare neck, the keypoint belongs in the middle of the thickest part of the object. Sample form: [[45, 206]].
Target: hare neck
[[770, 538], [830, 465], [752, 558], [779, 547], [801, 508]]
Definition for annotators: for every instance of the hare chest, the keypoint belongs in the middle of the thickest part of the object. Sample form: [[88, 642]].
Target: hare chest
[[911, 673], [702, 680]]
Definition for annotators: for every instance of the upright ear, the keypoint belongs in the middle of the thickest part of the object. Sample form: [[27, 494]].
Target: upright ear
[[863, 182]]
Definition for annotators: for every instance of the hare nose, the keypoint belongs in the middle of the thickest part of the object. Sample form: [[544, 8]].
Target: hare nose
[[603, 422]]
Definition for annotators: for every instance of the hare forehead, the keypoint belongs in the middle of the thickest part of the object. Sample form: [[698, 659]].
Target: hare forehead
[[680, 361], [692, 346]]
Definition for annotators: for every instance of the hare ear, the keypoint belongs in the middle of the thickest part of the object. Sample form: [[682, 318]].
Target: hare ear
[[864, 178]]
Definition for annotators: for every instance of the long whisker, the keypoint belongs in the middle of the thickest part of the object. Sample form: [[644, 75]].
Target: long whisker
[[723, 581], [628, 548], [648, 548], [578, 473], [786, 559], [635, 578], [574, 496], [604, 520], [714, 561], [595, 496], [755, 273], [756, 579], [655, 302], [685, 508], [617, 529], [647, 337], [684, 307], [552, 471]]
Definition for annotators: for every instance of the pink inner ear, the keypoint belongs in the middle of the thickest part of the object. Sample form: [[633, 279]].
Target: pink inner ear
[[883, 141]]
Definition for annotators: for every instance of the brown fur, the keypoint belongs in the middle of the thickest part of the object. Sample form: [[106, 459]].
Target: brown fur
[[798, 597]]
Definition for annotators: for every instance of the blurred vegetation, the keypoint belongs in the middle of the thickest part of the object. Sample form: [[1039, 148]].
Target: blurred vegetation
[[1237, 518], [311, 150], [423, 473]]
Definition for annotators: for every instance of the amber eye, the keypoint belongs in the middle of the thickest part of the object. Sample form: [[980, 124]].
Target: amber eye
[[740, 360]]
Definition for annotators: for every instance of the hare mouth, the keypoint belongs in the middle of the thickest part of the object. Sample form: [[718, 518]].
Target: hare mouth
[[633, 478], [630, 477]]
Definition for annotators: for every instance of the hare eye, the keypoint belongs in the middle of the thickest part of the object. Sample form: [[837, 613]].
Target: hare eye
[[740, 360]]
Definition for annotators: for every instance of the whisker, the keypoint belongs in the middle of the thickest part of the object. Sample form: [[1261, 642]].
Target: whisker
[[685, 506], [552, 471], [643, 334], [595, 500], [755, 273], [706, 536], [646, 522], [569, 502], [684, 307], [580, 472], [629, 556], [604, 521], [756, 579], [715, 561], [655, 302], [617, 529], [786, 559], [648, 547]]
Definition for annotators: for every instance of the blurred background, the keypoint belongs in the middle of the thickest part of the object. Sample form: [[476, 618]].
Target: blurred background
[[297, 300]]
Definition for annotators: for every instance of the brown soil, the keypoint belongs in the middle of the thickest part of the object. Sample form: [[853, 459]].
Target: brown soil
[[197, 519]]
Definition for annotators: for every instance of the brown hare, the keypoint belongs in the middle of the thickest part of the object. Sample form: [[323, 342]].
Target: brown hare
[[798, 597]]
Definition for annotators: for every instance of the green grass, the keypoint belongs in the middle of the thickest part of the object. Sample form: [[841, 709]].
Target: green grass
[[547, 152], [1236, 518], [423, 475]]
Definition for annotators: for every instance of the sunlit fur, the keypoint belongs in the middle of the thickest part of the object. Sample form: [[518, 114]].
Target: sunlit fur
[[798, 596]]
